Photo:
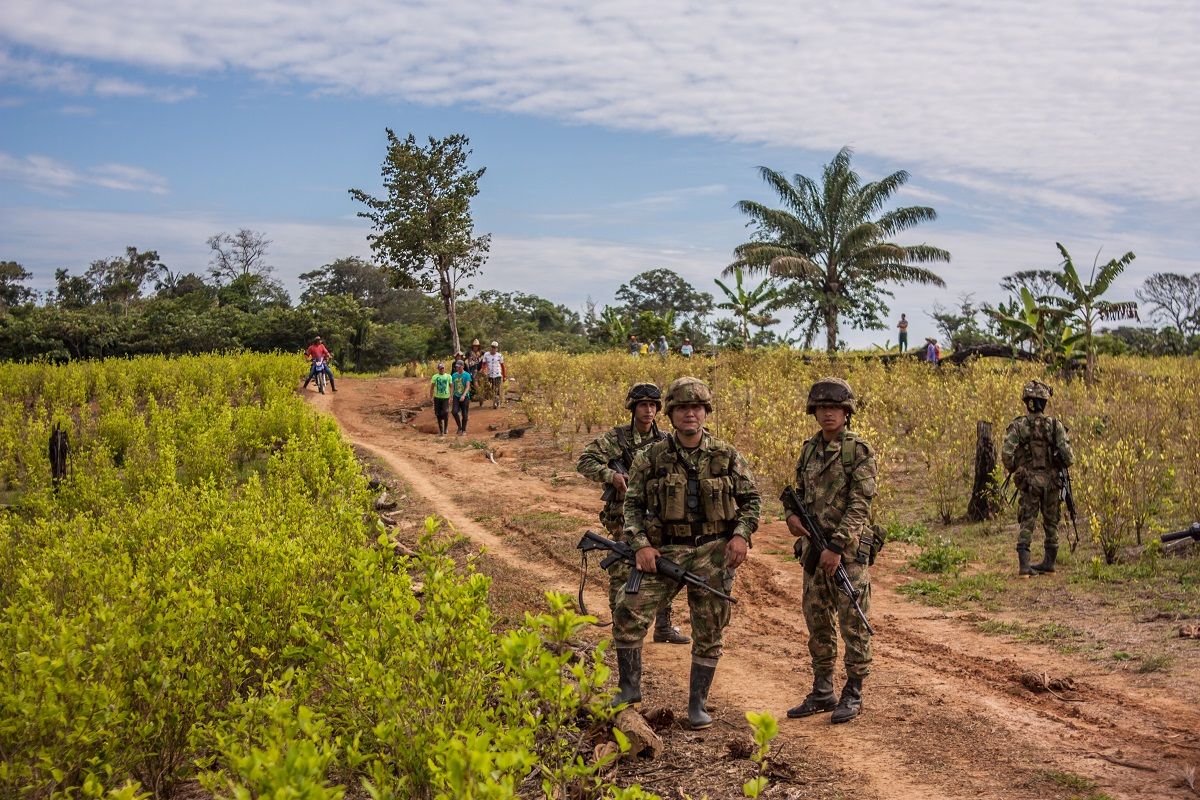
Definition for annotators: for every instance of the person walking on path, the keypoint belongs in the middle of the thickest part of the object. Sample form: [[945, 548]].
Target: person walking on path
[[634, 347], [686, 350], [835, 480], [692, 499], [662, 347], [439, 392], [1036, 451], [460, 403], [618, 447], [493, 365], [902, 326]]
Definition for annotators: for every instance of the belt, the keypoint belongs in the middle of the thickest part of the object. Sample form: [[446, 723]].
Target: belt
[[692, 533]]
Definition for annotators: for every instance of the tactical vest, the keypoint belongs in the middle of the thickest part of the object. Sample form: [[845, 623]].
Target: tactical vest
[[1039, 449], [612, 516], [684, 501]]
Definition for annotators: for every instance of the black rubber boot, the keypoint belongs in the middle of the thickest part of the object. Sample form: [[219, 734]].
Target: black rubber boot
[[850, 704], [664, 631], [701, 680], [819, 700], [629, 676], [1048, 560], [1024, 569]]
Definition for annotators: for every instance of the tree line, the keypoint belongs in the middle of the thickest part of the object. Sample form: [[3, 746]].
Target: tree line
[[827, 254]]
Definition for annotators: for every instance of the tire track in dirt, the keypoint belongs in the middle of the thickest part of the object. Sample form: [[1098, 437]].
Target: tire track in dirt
[[943, 716]]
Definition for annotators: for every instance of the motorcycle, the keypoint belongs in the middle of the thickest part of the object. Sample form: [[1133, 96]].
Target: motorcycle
[[318, 368]]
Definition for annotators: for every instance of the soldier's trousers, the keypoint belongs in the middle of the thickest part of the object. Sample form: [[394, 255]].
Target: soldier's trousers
[[1036, 501], [709, 614], [618, 574], [826, 609]]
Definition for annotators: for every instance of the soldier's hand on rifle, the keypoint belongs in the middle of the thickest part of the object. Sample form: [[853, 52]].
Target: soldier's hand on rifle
[[735, 552], [645, 560], [619, 483], [796, 526], [830, 561]]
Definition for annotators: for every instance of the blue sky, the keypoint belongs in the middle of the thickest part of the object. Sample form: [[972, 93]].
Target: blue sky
[[615, 141]]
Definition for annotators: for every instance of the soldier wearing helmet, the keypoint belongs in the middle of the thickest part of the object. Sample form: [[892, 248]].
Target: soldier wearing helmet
[[835, 480], [607, 460], [691, 498], [1036, 450]]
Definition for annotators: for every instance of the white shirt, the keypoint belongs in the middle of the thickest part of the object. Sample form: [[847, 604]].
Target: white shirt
[[492, 362]]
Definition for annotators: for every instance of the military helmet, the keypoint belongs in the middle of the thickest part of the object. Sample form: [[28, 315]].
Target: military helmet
[[643, 391], [1036, 388], [830, 392], [686, 390]]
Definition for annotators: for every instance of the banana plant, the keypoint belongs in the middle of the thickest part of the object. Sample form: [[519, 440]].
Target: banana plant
[[750, 307], [1082, 303]]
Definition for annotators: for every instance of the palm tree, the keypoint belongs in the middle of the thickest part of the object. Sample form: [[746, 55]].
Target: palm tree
[[1082, 302], [753, 307], [833, 240]]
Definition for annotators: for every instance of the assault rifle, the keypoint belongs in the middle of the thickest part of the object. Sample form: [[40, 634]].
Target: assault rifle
[[1067, 493], [1192, 532], [617, 465], [619, 551], [818, 542]]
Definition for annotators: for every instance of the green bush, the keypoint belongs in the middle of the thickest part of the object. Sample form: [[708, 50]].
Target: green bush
[[940, 557], [166, 616]]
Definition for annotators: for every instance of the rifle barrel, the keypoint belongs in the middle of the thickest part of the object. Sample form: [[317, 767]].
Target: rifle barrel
[[1192, 532]]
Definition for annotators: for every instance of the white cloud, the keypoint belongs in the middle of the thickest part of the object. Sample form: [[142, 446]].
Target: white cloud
[[47, 174], [1076, 97], [69, 78]]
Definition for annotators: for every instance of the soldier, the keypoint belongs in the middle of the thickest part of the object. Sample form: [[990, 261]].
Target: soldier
[[691, 498], [617, 448], [835, 479], [1036, 449]]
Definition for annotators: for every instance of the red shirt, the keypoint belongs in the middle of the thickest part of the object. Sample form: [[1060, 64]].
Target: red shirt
[[318, 351]]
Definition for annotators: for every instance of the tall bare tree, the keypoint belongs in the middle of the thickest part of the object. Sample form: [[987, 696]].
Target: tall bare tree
[[1174, 298], [424, 233], [240, 255]]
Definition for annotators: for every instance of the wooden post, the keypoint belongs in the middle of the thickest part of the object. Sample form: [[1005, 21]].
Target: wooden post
[[985, 495]]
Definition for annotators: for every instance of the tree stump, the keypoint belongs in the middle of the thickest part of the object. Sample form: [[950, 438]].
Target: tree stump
[[985, 495]]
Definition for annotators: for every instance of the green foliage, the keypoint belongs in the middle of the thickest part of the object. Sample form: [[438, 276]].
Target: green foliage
[[424, 233], [955, 591], [203, 596], [914, 533], [765, 729], [940, 557]]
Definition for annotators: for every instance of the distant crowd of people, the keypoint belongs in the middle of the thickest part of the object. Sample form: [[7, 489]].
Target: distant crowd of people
[[660, 347], [477, 374]]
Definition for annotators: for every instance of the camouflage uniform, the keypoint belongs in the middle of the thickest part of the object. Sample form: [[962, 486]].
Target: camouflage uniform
[[836, 482], [1035, 448], [656, 516], [686, 504], [618, 444]]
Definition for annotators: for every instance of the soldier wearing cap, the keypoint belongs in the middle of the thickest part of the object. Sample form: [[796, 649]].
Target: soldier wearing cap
[[691, 498], [618, 447], [1036, 449], [835, 479]]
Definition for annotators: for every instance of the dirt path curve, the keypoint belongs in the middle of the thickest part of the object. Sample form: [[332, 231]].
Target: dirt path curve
[[944, 715]]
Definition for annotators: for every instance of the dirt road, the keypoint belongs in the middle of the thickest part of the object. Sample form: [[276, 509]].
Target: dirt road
[[945, 715]]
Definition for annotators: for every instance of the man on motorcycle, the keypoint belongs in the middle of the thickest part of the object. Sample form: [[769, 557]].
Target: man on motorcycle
[[320, 356]]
